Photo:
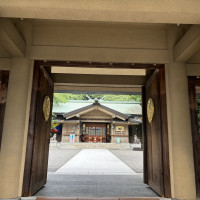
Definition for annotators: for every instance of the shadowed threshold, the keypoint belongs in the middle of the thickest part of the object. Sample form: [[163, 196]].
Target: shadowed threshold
[[61, 185], [95, 174]]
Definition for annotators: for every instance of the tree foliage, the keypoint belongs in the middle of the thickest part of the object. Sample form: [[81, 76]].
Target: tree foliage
[[122, 98], [64, 97]]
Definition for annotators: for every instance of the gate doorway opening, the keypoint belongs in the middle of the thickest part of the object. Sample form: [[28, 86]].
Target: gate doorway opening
[[85, 161], [155, 136]]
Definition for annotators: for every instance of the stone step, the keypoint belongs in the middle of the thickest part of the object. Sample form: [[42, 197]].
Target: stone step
[[65, 145]]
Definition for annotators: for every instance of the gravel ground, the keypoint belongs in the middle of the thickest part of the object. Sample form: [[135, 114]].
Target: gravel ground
[[58, 157], [134, 159]]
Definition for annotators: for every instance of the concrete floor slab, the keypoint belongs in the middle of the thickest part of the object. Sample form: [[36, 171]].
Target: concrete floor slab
[[93, 185], [62, 185]]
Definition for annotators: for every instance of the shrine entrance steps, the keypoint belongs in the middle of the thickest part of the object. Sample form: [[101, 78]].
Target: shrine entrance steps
[[66, 145]]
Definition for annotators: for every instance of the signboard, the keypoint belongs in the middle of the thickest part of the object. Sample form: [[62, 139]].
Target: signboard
[[119, 128], [72, 138]]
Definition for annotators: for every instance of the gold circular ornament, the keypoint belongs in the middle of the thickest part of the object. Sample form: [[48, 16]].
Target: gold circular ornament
[[46, 108], [150, 110]]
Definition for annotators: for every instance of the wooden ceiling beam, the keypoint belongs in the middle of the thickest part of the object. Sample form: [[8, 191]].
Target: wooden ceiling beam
[[101, 89], [11, 39], [188, 45], [98, 79], [92, 54]]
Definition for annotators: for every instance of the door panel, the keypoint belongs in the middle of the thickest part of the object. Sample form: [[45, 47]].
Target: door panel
[[153, 136], [194, 97], [95, 133], [35, 173], [4, 75]]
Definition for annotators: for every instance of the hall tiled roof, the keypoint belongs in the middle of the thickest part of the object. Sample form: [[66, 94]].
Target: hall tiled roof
[[125, 107]]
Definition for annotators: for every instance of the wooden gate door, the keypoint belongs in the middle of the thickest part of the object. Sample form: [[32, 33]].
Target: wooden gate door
[[156, 158], [194, 96], [3, 95], [35, 173]]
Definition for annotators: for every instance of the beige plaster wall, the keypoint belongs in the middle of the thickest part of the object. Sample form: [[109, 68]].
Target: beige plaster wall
[[193, 69], [155, 11], [82, 34], [65, 137], [101, 42], [5, 63], [122, 139], [195, 59], [180, 140], [13, 147], [86, 41], [4, 53]]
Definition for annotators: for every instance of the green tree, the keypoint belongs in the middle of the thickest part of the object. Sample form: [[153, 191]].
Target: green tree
[[64, 97], [123, 98]]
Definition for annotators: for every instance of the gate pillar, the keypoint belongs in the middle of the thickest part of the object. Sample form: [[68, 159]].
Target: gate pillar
[[179, 127], [12, 155]]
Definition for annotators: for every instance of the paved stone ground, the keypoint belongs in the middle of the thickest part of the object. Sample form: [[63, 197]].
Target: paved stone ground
[[58, 157], [95, 186], [95, 162], [134, 159], [65, 185]]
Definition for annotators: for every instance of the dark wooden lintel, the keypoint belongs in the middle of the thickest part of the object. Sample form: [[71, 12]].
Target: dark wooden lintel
[[99, 64]]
